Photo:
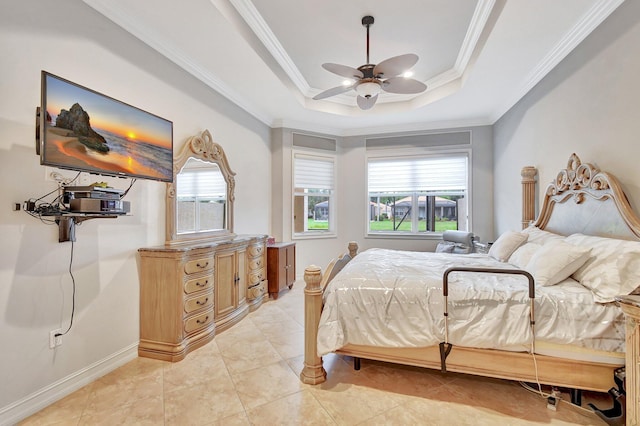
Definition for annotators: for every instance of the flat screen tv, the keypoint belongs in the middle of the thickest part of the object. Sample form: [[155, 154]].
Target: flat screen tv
[[81, 129]]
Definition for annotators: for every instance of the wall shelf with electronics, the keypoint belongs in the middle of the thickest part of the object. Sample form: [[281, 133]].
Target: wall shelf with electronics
[[76, 204]]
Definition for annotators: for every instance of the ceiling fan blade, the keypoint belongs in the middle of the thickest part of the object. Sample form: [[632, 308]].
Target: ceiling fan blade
[[332, 92], [403, 85], [343, 70], [367, 103], [395, 66]]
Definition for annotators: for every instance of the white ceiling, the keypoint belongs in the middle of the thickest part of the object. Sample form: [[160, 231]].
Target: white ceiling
[[477, 57]]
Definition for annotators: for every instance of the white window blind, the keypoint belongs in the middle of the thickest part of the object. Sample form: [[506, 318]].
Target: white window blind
[[204, 183], [436, 174], [313, 173]]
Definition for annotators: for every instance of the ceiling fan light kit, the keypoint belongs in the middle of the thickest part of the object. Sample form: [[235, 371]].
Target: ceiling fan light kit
[[371, 79]]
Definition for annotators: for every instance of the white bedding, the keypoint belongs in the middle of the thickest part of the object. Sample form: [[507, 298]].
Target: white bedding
[[394, 298]]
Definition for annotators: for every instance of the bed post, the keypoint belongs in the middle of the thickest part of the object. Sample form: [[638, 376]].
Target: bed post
[[528, 195], [313, 371]]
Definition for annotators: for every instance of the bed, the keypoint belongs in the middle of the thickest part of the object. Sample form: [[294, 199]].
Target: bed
[[549, 317]]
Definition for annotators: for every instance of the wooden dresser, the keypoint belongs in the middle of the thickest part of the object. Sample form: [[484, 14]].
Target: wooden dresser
[[190, 291], [281, 267], [631, 307]]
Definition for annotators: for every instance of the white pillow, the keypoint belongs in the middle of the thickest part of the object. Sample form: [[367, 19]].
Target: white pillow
[[540, 236], [556, 261], [506, 244], [523, 254], [613, 268]]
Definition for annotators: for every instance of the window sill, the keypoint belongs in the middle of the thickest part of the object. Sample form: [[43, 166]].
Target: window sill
[[405, 236], [314, 235]]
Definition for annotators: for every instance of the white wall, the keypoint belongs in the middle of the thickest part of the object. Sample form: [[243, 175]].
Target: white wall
[[589, 104], [71, 40]]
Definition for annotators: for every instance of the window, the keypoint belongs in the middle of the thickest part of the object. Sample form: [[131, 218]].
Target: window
[[313, 195], [417, 195], [201, 194]]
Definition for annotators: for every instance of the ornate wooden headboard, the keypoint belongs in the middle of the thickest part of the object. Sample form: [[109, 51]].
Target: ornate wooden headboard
[[584, 200]]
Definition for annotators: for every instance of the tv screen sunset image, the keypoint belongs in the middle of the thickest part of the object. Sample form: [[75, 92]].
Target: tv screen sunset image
[[88, 131]]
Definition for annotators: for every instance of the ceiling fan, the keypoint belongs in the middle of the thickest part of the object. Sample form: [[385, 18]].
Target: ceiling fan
[[370, 79]]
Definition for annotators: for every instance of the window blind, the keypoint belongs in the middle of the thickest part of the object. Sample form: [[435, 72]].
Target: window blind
[[313, 173], [436, 174], [205, 183]]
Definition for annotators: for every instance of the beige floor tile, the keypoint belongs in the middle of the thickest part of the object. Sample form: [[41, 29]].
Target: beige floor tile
[[202, 404], [193, 370], [438, 413], [147, 411], [123, 386], [300, 408], [243, 355], [351, 404], [245, 330], [66, 411], [280, 328], [290, 345], [266, 384], [239, 419]]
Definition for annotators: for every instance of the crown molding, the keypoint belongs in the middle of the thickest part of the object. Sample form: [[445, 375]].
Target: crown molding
[[161, 45], [254, 20], [252, 17], [478, 22], [594, 17], [381, 130]]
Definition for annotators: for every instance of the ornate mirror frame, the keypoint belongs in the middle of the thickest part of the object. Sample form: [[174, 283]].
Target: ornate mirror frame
[[200, 147]]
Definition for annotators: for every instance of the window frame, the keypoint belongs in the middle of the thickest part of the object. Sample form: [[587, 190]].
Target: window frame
[[411, 154], [331, 232]]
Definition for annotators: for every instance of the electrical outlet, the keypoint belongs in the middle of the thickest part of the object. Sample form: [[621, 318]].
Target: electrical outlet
[[53, 339]]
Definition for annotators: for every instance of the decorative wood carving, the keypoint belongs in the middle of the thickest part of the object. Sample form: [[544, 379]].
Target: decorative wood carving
[[580, 180], [201, 147], [313, 371], [528, 195]]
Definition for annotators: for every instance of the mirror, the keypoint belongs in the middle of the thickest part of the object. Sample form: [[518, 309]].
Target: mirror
[[200, 199]]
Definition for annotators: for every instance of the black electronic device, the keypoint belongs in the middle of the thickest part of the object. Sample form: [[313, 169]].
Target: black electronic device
[[90, 191], [81, 129], [99, 206]]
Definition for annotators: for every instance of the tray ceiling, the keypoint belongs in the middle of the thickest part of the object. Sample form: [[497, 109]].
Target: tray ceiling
[[477, 57]]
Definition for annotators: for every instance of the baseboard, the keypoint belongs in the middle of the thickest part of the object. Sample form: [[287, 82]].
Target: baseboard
[[46, 396]]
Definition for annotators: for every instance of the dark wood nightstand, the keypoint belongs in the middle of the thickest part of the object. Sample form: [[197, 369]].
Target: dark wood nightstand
[[281, 267]]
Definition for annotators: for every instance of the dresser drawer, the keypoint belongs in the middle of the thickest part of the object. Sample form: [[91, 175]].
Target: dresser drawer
[[195, 303], [197, 284], [199, 321], [256, 250], [256, 291], [198, 265], [256, 263], [256, 276]]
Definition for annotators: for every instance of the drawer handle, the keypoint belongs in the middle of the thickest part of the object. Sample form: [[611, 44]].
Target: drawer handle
[[202, 266], [203, 321], [202, 303], [199, 284]]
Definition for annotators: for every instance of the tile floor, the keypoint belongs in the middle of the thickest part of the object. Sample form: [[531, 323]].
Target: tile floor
[[248, 375]]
